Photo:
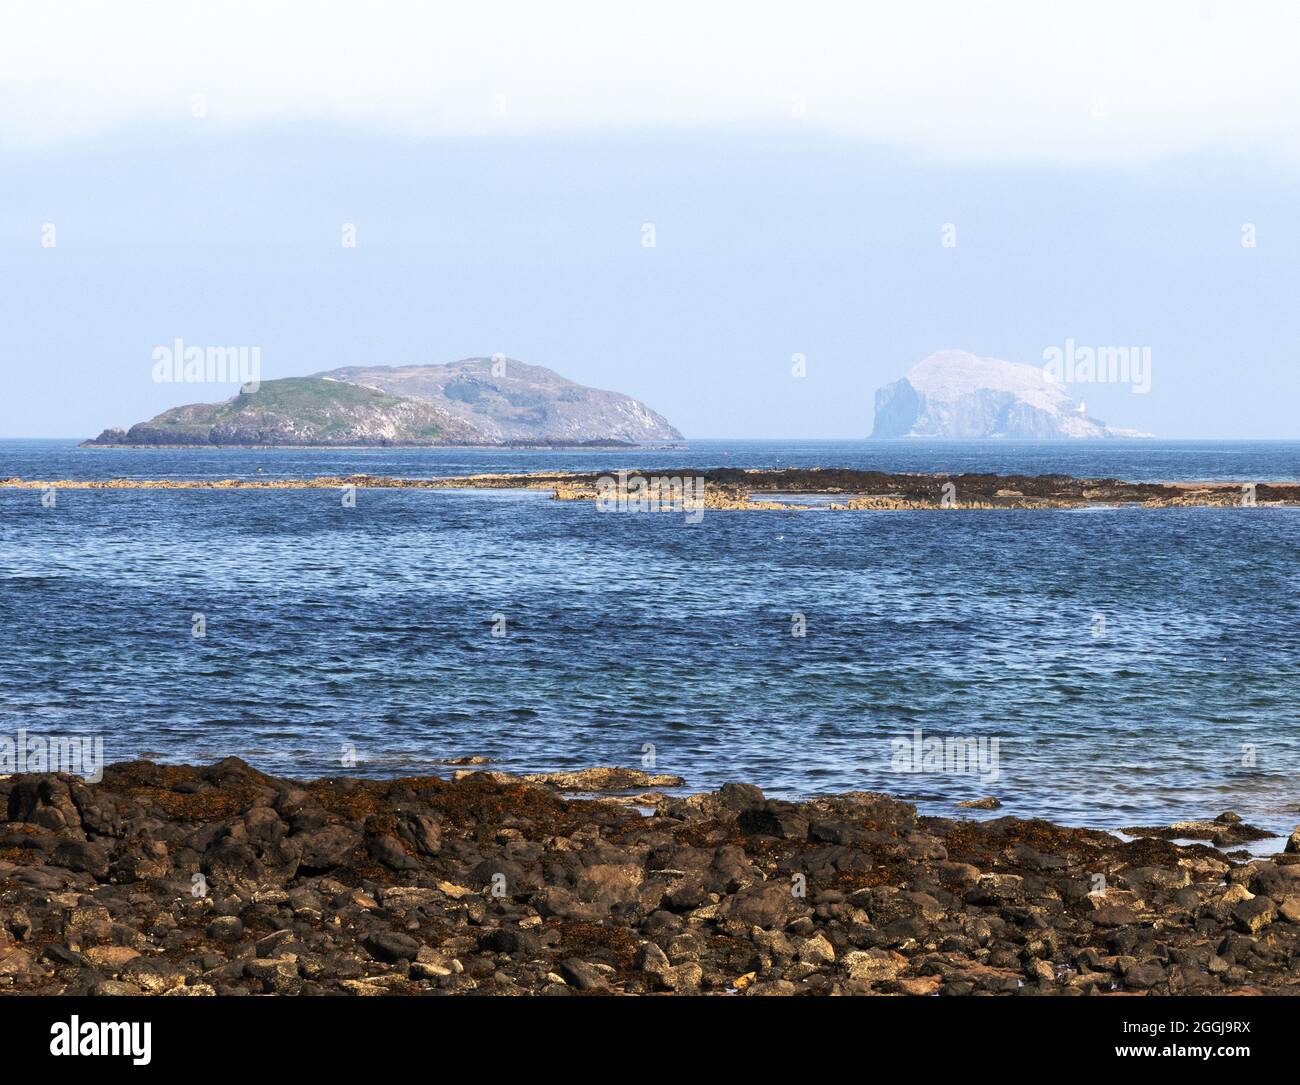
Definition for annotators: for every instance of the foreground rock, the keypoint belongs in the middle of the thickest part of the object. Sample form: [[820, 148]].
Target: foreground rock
[[220, 880]]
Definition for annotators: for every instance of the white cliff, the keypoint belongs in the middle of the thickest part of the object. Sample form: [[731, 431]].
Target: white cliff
[[955, 394]]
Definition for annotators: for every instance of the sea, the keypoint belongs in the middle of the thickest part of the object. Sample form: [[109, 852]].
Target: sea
[[1099, 667]]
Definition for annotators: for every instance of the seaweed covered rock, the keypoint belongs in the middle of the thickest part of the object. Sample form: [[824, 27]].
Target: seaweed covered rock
[[222, 880]]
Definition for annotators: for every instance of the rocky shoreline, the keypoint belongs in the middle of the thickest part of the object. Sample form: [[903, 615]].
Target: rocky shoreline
[[177, 880], [750, 489]]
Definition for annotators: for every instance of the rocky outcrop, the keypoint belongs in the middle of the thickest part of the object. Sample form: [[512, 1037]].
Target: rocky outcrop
[[503, 399], [478, 401], [298, 411], [959, 395], [174, 881], [729, 488]]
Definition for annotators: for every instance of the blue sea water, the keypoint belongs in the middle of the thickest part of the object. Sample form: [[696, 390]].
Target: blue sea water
[[373, 626], [1133, 460]]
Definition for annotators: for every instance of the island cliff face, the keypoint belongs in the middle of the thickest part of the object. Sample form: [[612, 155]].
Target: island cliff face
[[956, 394], [504, 399], [297, 411], [478, 401]]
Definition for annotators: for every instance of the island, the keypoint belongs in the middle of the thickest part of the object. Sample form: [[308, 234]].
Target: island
[[955, 394], [491, 402]]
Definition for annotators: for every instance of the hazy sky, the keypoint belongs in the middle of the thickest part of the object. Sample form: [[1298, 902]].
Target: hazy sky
[[183, 170]]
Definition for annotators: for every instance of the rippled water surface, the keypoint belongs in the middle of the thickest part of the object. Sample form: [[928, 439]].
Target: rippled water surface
[[1135, 461], [1135, 666]]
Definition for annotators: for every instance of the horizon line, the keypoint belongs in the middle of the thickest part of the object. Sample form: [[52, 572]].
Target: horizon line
[[654, 447]]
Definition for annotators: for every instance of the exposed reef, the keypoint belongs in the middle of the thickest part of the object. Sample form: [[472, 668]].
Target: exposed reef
[[786, 488], [175, 880]]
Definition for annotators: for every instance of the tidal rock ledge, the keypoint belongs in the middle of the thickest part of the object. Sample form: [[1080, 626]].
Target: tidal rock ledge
[[178, 880]]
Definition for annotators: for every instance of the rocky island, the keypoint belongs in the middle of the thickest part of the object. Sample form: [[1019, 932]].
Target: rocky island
[[955, 394], [220, 880], [477, 401]]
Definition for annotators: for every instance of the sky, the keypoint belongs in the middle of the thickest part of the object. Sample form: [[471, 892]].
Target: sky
[[853, 188]]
